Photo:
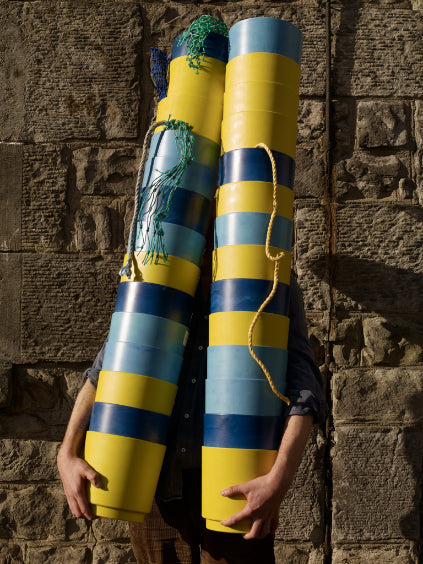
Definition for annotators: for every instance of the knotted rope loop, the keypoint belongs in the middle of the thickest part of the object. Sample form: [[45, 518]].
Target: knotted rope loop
[[276, 259]]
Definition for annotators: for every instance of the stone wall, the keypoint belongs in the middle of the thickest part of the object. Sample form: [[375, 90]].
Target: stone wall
[[76, 98]]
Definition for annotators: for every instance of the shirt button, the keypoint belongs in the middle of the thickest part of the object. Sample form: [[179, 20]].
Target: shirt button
[[183, 449], [194, 380], [200, 348], [186, 415]]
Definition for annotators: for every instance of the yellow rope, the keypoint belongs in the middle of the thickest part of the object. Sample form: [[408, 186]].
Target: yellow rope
[[276, 259]]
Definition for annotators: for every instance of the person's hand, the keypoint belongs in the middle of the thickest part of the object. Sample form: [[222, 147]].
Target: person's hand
[[74, 473], [264, 496]]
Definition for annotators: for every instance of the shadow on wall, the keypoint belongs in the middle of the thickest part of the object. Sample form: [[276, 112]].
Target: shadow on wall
[[377, 287], [396, 294]]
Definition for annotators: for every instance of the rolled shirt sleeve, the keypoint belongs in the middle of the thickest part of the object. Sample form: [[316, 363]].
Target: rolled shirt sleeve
[[304, 380], [93, 371]]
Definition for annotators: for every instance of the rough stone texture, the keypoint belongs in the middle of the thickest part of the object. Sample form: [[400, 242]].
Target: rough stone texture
[[318, 327], [377, 52], [5, 384], [110, 530], [383, 124], [12, 72], [311, 262], [54, 555], [77, 84], [104, 553], [301, 515], [311, 121], [106, 171], [344, 119], [376, 494], [11, 553], [10, 196], [10, 298], [25, 511], [378, 396], [366, 176], [394, 341], [28, 460], [400, 554], [309, 172], [65, 315], [44, 184], [379, 258], [299, 554], [418, 156], [347, 340]]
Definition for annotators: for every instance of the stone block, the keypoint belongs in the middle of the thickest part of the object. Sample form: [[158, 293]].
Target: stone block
[[418, 155], [38, 512], [12, 72], [395, 553], [10, 306], [379, 396], [28, 425], [57, 554], [418, 123], [418, 166], [118, 554], [310, 177], [80, 69], [11, 553], [5, 384], [311, 255], [72, 380], [301, 513], [106, 171], [377, 52], [10, 196], [44, 205], [376, 476], [318, 329], [298, 554], [378, 265], [383, 124], [311, 121], [27, 460], [110, 530], [347, 340], [344, 119], [41, 404], [394, 341], [367, 176], [93, 230], [67, 304]]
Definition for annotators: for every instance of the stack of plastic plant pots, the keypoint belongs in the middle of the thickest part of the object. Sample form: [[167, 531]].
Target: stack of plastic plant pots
[[126, 440], [243, 417]]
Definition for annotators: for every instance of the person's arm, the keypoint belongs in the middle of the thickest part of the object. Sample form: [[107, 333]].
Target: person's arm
[[265, 493], [74, 471]]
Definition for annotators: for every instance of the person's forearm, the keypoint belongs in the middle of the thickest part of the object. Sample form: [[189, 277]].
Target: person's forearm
[[295, 437], [79, 421], [73, 470]]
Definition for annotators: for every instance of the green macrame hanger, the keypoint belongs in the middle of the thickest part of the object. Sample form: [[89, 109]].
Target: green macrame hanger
[[195, 36], [152, 203]]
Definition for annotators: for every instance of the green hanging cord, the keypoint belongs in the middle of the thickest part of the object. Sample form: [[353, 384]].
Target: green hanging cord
[[155, 200], [146, 198], [195, 36]]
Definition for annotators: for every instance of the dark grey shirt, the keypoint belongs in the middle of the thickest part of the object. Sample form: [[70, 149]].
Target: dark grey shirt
[[304, 389]]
